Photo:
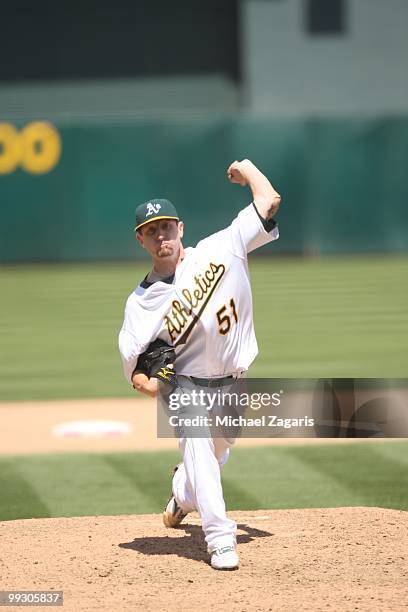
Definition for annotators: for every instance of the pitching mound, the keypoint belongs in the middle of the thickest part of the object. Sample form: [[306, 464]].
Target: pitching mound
[[318, 559]]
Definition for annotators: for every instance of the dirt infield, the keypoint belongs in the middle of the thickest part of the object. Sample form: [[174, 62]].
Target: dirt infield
[[314, 559], [331, 559]]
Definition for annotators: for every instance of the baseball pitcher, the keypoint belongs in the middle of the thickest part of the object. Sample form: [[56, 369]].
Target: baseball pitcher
[[190, 323]]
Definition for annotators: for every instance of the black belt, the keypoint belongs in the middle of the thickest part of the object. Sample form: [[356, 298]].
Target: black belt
[[213, 382]]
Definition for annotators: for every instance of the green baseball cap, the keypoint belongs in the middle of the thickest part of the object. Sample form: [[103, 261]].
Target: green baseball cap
[[154, 210]]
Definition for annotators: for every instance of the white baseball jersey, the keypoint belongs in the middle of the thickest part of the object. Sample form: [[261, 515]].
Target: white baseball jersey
[[206, 312]]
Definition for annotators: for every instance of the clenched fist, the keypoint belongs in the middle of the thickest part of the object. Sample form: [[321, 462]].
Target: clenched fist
[[236, 172]]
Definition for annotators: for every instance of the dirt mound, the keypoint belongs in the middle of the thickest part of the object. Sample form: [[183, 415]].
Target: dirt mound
[[315, 559]]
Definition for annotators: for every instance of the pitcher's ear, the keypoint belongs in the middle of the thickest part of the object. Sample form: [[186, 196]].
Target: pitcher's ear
[[139, 238]]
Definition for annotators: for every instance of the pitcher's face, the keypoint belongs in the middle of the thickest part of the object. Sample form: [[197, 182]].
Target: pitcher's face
[[161, 238]]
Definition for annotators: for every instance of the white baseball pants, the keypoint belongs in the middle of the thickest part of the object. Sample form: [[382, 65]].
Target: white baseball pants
[[197, 486]]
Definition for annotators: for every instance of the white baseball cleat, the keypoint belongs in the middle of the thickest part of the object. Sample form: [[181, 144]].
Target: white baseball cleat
[[225, 558], [173, 514]]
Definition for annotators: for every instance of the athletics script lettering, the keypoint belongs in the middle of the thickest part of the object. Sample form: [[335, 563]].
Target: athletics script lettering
[[182, 318]]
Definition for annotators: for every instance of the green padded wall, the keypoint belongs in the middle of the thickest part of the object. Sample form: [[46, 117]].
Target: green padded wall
[[343, 182]]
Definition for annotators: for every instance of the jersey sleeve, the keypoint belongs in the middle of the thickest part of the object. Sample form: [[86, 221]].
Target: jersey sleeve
[[129, 346], [129, 352], [249, 231]]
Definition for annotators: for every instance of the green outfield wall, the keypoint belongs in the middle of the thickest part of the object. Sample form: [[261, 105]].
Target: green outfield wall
[[69, 193]]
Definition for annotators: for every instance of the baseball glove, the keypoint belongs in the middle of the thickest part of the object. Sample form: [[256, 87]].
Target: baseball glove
[[155, 362]]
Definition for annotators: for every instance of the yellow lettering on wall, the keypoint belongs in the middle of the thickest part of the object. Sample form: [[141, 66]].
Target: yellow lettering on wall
[[10, 148], [40, 147]]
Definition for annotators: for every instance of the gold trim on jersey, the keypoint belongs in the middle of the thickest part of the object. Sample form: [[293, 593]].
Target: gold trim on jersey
[[181, 316]]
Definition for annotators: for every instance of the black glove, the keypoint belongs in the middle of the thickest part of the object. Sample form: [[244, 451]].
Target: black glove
[[155, 360]]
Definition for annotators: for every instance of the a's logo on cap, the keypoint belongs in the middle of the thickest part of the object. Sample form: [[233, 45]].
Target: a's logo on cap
[[152, 209]]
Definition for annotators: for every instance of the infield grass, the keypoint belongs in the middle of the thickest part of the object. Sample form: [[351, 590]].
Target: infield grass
[[256, 478], [334, 317]]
